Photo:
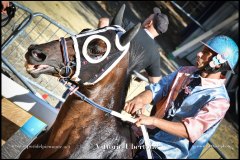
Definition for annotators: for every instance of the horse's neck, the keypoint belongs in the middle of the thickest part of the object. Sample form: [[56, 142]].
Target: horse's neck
[[110, 91]]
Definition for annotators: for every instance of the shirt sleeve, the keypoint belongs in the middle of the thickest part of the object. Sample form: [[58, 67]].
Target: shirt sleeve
[[211, 113], [161, 88]]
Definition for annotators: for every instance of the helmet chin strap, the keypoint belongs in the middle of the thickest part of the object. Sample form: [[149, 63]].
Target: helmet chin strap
[[216, 60], [209, 69]]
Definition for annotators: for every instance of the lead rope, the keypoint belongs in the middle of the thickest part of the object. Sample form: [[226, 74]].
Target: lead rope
[[143, 127], [146, 139]]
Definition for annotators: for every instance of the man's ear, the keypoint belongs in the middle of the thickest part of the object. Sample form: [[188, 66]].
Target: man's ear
[[150, 23]]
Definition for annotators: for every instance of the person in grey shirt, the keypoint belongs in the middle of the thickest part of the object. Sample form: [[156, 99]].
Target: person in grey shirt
[[153, 26]]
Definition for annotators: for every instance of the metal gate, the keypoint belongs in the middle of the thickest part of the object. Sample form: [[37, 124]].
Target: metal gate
[[28, 28], [24, 29]]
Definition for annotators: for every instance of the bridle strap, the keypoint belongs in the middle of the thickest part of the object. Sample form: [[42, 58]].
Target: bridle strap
[[65, 55], [67, 62]]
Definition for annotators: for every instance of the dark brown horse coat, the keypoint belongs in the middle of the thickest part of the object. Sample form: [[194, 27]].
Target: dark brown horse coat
[[81, 130]]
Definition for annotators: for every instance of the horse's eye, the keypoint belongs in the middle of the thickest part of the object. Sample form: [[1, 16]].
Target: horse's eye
[[96, 47]]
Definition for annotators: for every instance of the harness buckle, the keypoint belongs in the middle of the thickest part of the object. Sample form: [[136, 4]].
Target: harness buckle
[[62, 71]]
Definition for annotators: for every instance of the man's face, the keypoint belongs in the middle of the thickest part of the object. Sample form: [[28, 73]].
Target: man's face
[[204, 57]]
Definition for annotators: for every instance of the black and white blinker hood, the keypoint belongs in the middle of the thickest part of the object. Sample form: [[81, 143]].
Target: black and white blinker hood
[[98, 67]]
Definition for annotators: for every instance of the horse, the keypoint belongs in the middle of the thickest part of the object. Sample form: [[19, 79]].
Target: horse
[[81, 130]]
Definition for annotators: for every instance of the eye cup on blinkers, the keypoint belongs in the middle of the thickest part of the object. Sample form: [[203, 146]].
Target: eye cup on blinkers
[[96, 48]]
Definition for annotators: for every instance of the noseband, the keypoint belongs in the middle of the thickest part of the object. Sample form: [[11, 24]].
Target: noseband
[[66, 71]]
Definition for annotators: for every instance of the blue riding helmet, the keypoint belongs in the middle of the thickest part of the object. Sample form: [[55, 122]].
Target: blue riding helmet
[[226, 47]]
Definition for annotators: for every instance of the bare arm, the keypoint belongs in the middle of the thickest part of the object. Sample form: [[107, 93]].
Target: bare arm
[[174, 128], [153, 79], [5, 4], [103, 22]]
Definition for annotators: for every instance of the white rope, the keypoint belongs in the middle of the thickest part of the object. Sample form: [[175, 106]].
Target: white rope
[[128, 117], [78, 61], [146, 141]]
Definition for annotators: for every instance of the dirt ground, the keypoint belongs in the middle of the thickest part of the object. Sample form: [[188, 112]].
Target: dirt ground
[[77, 15]]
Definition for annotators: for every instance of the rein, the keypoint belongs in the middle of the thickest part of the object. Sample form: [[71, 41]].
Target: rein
[[74, 90]]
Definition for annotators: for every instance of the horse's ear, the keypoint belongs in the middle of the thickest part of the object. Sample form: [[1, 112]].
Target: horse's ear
[[117, 20], [129, 35]]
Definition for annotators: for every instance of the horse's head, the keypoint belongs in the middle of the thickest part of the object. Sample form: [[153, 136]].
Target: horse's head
[[87, 56]]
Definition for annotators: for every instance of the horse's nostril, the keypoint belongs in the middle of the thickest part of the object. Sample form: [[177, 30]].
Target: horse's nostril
[[38, 55]]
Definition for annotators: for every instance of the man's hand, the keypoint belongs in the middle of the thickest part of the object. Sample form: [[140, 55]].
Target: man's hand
[[137, 130], [145, 120], [133, 105], [138, 102], [5, 4]]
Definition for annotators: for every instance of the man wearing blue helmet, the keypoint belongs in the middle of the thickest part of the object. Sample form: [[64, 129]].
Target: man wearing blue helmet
[[227, 54], [189, 103]]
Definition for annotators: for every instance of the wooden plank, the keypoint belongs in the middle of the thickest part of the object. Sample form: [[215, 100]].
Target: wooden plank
[[209, 153], [13, 117], [205, 149], [135, 88], [28, 101], [226, 139]]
